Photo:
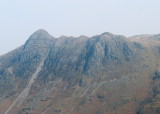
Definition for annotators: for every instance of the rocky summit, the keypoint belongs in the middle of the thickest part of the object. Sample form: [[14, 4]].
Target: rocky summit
[[103, 74]]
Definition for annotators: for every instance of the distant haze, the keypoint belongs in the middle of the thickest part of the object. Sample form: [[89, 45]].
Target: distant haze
[[20, 18]]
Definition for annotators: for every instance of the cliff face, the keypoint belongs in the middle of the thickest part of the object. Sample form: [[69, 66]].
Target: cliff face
[[103, 74]]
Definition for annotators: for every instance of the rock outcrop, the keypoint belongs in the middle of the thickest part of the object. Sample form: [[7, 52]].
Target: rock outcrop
[[103, 74]]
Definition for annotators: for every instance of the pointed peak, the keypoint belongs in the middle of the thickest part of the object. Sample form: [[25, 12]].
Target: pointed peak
[[41, 31], [40, 34], [107, 33]]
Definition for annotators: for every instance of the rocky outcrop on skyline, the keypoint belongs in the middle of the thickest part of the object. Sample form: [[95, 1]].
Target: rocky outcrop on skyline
[[103, 74]]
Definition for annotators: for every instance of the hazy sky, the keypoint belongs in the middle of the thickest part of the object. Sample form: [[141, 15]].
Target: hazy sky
[[20, 18]]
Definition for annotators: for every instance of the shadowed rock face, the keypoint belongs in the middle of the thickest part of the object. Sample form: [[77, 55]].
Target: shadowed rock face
[[103, 74]]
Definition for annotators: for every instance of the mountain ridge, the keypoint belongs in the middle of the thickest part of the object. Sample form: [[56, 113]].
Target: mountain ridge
[[102, 74]]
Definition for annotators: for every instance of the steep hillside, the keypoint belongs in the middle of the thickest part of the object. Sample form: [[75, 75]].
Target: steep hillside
[[103, 74], [151, 105]]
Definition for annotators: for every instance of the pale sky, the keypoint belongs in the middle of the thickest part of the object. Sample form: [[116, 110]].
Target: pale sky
[[20, 18]]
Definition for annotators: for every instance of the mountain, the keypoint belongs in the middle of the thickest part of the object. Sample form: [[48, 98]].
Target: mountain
[[103, 74]]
